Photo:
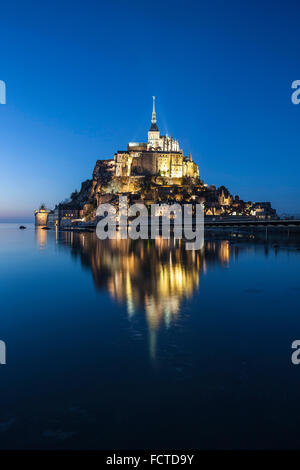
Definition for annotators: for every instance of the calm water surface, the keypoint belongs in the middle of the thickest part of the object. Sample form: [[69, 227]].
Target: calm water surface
[[121, 344]]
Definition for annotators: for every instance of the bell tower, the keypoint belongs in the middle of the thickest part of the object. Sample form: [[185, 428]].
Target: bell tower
[[153, 134]]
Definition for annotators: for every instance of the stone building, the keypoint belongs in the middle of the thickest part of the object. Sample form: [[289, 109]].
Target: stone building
[[41, 216], [160, 156], [64, 213]]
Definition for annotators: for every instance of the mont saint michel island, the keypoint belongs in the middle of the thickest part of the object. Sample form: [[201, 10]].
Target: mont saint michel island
[[152, 172], [149, 245]]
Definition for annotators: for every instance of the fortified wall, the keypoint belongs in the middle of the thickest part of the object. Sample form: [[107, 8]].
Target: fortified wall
[[41, 217]]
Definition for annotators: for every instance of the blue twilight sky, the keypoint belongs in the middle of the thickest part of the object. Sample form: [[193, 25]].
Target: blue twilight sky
[[80, 78]]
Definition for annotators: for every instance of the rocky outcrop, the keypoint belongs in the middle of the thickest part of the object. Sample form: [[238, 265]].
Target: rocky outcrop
[[85, 192], [105, 187], [102, 176]]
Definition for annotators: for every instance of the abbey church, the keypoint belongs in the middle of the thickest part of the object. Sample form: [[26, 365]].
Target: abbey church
[[160, 156]]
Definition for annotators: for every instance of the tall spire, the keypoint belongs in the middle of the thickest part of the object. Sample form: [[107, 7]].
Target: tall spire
[[153, 120]]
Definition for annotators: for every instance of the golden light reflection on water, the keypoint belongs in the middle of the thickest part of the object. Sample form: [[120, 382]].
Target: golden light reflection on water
[[41, 237], [154, 276]]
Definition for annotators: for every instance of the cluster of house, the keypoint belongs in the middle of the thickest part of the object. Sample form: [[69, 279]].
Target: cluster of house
[[217, 203]]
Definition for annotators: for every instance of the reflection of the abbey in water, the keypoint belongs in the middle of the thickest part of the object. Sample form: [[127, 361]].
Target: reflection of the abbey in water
[[150, 275]]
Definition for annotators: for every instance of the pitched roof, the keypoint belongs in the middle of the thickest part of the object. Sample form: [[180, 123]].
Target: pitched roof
[[153, 127]]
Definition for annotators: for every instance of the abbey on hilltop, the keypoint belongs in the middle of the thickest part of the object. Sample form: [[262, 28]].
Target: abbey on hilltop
[[161, 155], [150, 172]]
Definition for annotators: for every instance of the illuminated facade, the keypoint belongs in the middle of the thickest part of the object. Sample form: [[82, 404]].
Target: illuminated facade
[[160, 156], [41, 216]]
